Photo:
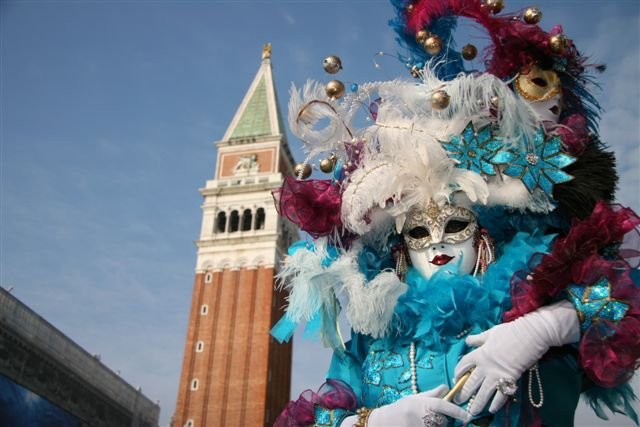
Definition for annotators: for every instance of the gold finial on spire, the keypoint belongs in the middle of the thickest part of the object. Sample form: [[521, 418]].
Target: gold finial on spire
[[266, 51]]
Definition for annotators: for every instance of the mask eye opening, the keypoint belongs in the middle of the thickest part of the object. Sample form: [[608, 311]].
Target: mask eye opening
[[419, 232], [539, 81], [455, 226]]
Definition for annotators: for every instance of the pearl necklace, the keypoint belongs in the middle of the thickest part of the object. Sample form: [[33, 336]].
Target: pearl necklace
[[535, 371], [412, 364]]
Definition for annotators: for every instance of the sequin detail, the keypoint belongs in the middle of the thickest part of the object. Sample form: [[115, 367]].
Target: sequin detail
[[425, 362], [376, 361], [405, 377], [390, 394], [541, 166], [475, 150], [329, 417], [594, 302]]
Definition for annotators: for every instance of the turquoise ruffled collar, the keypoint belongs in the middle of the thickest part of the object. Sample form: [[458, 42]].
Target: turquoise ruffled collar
[[449, 305]]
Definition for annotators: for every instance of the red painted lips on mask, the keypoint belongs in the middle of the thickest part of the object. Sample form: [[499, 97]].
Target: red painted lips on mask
[[441, 259]]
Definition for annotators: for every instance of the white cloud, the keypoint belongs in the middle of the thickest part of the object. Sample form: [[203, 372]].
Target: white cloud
[[619, 127], [288, 17]]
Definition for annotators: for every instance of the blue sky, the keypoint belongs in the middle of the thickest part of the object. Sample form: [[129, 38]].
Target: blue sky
[[108, 114]]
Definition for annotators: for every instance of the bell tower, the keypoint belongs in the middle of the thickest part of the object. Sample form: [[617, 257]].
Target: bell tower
[[233, 373]]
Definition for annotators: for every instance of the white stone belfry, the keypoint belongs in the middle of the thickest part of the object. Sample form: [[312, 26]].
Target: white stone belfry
[[240, 225]]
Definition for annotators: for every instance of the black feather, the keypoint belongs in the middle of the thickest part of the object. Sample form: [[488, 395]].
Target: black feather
[[595, 178]]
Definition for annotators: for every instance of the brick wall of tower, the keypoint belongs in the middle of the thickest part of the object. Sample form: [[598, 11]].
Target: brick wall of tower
[[244, 376], [280, 355]]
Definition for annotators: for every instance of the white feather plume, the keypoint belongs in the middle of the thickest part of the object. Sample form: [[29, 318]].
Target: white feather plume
[[369, 305], [315, 119], [475, 96], [304, 276], [404, 162]]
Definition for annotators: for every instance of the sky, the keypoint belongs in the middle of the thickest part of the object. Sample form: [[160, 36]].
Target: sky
[[108, 114]]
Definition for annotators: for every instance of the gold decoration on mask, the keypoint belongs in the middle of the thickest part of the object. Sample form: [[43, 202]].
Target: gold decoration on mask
[[558, 43], [440, 100], [302, 170], [427, 225], [335, 89], [532, 15], [421, 36], [486, 253], [415, 71], [433, 45], [327, 165], [494, 6], [432, 210], [469, 52], [538, 84]]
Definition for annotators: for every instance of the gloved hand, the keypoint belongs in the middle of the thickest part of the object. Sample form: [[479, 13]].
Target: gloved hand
[[507, 350], [409, 411]]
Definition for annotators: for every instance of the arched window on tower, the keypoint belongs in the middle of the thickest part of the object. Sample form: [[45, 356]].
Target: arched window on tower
[[208, 277], [260, 219], [221, 222], [246, 220], [234, 221]]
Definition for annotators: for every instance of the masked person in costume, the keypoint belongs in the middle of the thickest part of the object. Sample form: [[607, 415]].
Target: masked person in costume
[[467, 235]]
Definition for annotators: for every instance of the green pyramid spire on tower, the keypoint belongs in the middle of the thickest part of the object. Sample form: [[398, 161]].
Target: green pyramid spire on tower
[[258, 114], [255, 117]]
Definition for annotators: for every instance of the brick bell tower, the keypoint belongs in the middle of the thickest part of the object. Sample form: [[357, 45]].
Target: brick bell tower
[[233, 373]]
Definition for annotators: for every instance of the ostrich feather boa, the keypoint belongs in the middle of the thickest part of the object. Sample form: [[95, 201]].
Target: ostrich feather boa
[[379, 305]]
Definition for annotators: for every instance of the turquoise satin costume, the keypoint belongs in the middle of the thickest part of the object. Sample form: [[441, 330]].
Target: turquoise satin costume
[[436, 315]]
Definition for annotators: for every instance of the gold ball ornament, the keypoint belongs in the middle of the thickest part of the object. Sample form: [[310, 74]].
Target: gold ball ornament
[[327, 165], [302, 170], [440, 100], [469, 52], [422, 35], [335, 89], [532, 15], [332, 64], [495, 101], [558, 43], [433, 45], [494, 6]]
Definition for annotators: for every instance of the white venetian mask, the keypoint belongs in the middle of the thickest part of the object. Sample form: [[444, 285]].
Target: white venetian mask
[[548, 110], [441, 238]]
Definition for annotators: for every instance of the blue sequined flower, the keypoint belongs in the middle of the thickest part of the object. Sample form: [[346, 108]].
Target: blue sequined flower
[[391, 394], [376, 361], [474, 150], [425, 362], [594, 302], [540, 167]]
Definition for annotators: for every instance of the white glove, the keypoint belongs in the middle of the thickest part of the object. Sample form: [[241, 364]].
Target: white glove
[[409, 411], [507, 350]]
